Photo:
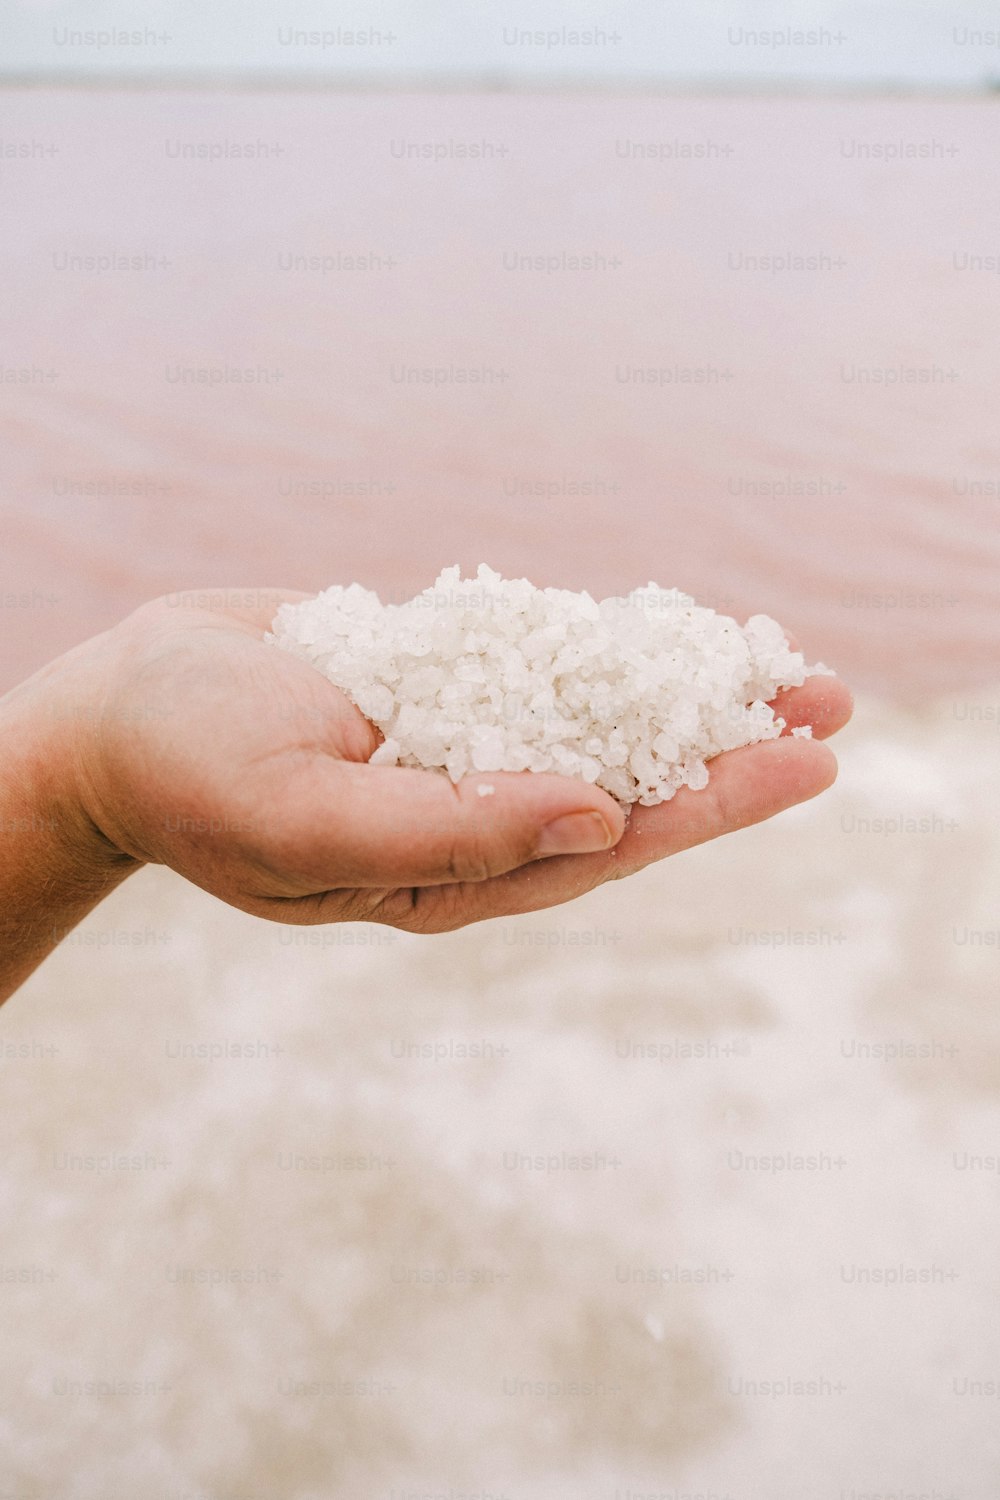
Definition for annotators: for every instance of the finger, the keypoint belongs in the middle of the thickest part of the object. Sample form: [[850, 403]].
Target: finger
[[825, 703], [746, 787], [347, 825]]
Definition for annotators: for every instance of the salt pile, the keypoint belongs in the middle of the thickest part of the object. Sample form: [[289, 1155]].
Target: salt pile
[[493, 674]]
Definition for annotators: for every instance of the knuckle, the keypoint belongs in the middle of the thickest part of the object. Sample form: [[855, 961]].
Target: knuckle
[[469, 859], [434, 909], [399, 908], [367, 905]]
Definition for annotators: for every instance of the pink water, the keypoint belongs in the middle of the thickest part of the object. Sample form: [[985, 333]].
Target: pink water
[[883, 558]]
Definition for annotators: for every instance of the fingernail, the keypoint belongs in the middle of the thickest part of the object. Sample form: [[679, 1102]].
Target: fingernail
[[576, 833]]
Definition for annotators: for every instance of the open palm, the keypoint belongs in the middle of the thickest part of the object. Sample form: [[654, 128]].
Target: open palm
[[245, 770]]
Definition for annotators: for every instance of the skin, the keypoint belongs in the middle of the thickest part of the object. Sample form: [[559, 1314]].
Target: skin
[[180, 738]]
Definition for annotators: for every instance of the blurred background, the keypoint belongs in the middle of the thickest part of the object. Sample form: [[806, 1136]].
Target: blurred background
[[689, 1188]]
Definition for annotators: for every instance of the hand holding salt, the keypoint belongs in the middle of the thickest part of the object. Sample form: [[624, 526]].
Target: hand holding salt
[[633, 694]]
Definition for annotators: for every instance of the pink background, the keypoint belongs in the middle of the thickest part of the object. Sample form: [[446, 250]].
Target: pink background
[[216, 467]]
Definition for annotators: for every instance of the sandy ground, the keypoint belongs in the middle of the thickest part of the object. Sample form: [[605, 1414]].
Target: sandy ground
[[691, 1186]]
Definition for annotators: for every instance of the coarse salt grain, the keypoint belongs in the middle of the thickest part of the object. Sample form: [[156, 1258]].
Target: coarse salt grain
[[488, 674]]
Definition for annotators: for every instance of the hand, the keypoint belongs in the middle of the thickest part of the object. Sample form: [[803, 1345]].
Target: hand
[[244, 769]]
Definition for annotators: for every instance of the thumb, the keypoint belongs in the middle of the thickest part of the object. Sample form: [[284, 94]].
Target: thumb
[[346, 825]]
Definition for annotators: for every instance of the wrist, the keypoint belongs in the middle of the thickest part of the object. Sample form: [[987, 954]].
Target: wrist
[[56, 862], [51, 729]]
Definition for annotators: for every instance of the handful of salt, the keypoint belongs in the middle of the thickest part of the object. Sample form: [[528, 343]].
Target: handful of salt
[[636, 694]]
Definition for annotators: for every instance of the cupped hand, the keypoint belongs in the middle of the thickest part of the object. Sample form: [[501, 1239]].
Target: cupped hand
[[244, 769]]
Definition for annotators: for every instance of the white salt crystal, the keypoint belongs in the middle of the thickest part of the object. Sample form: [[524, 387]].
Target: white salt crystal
[[804, 732], [493, 674], [387, 754], [697, 776], [375, 702]]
